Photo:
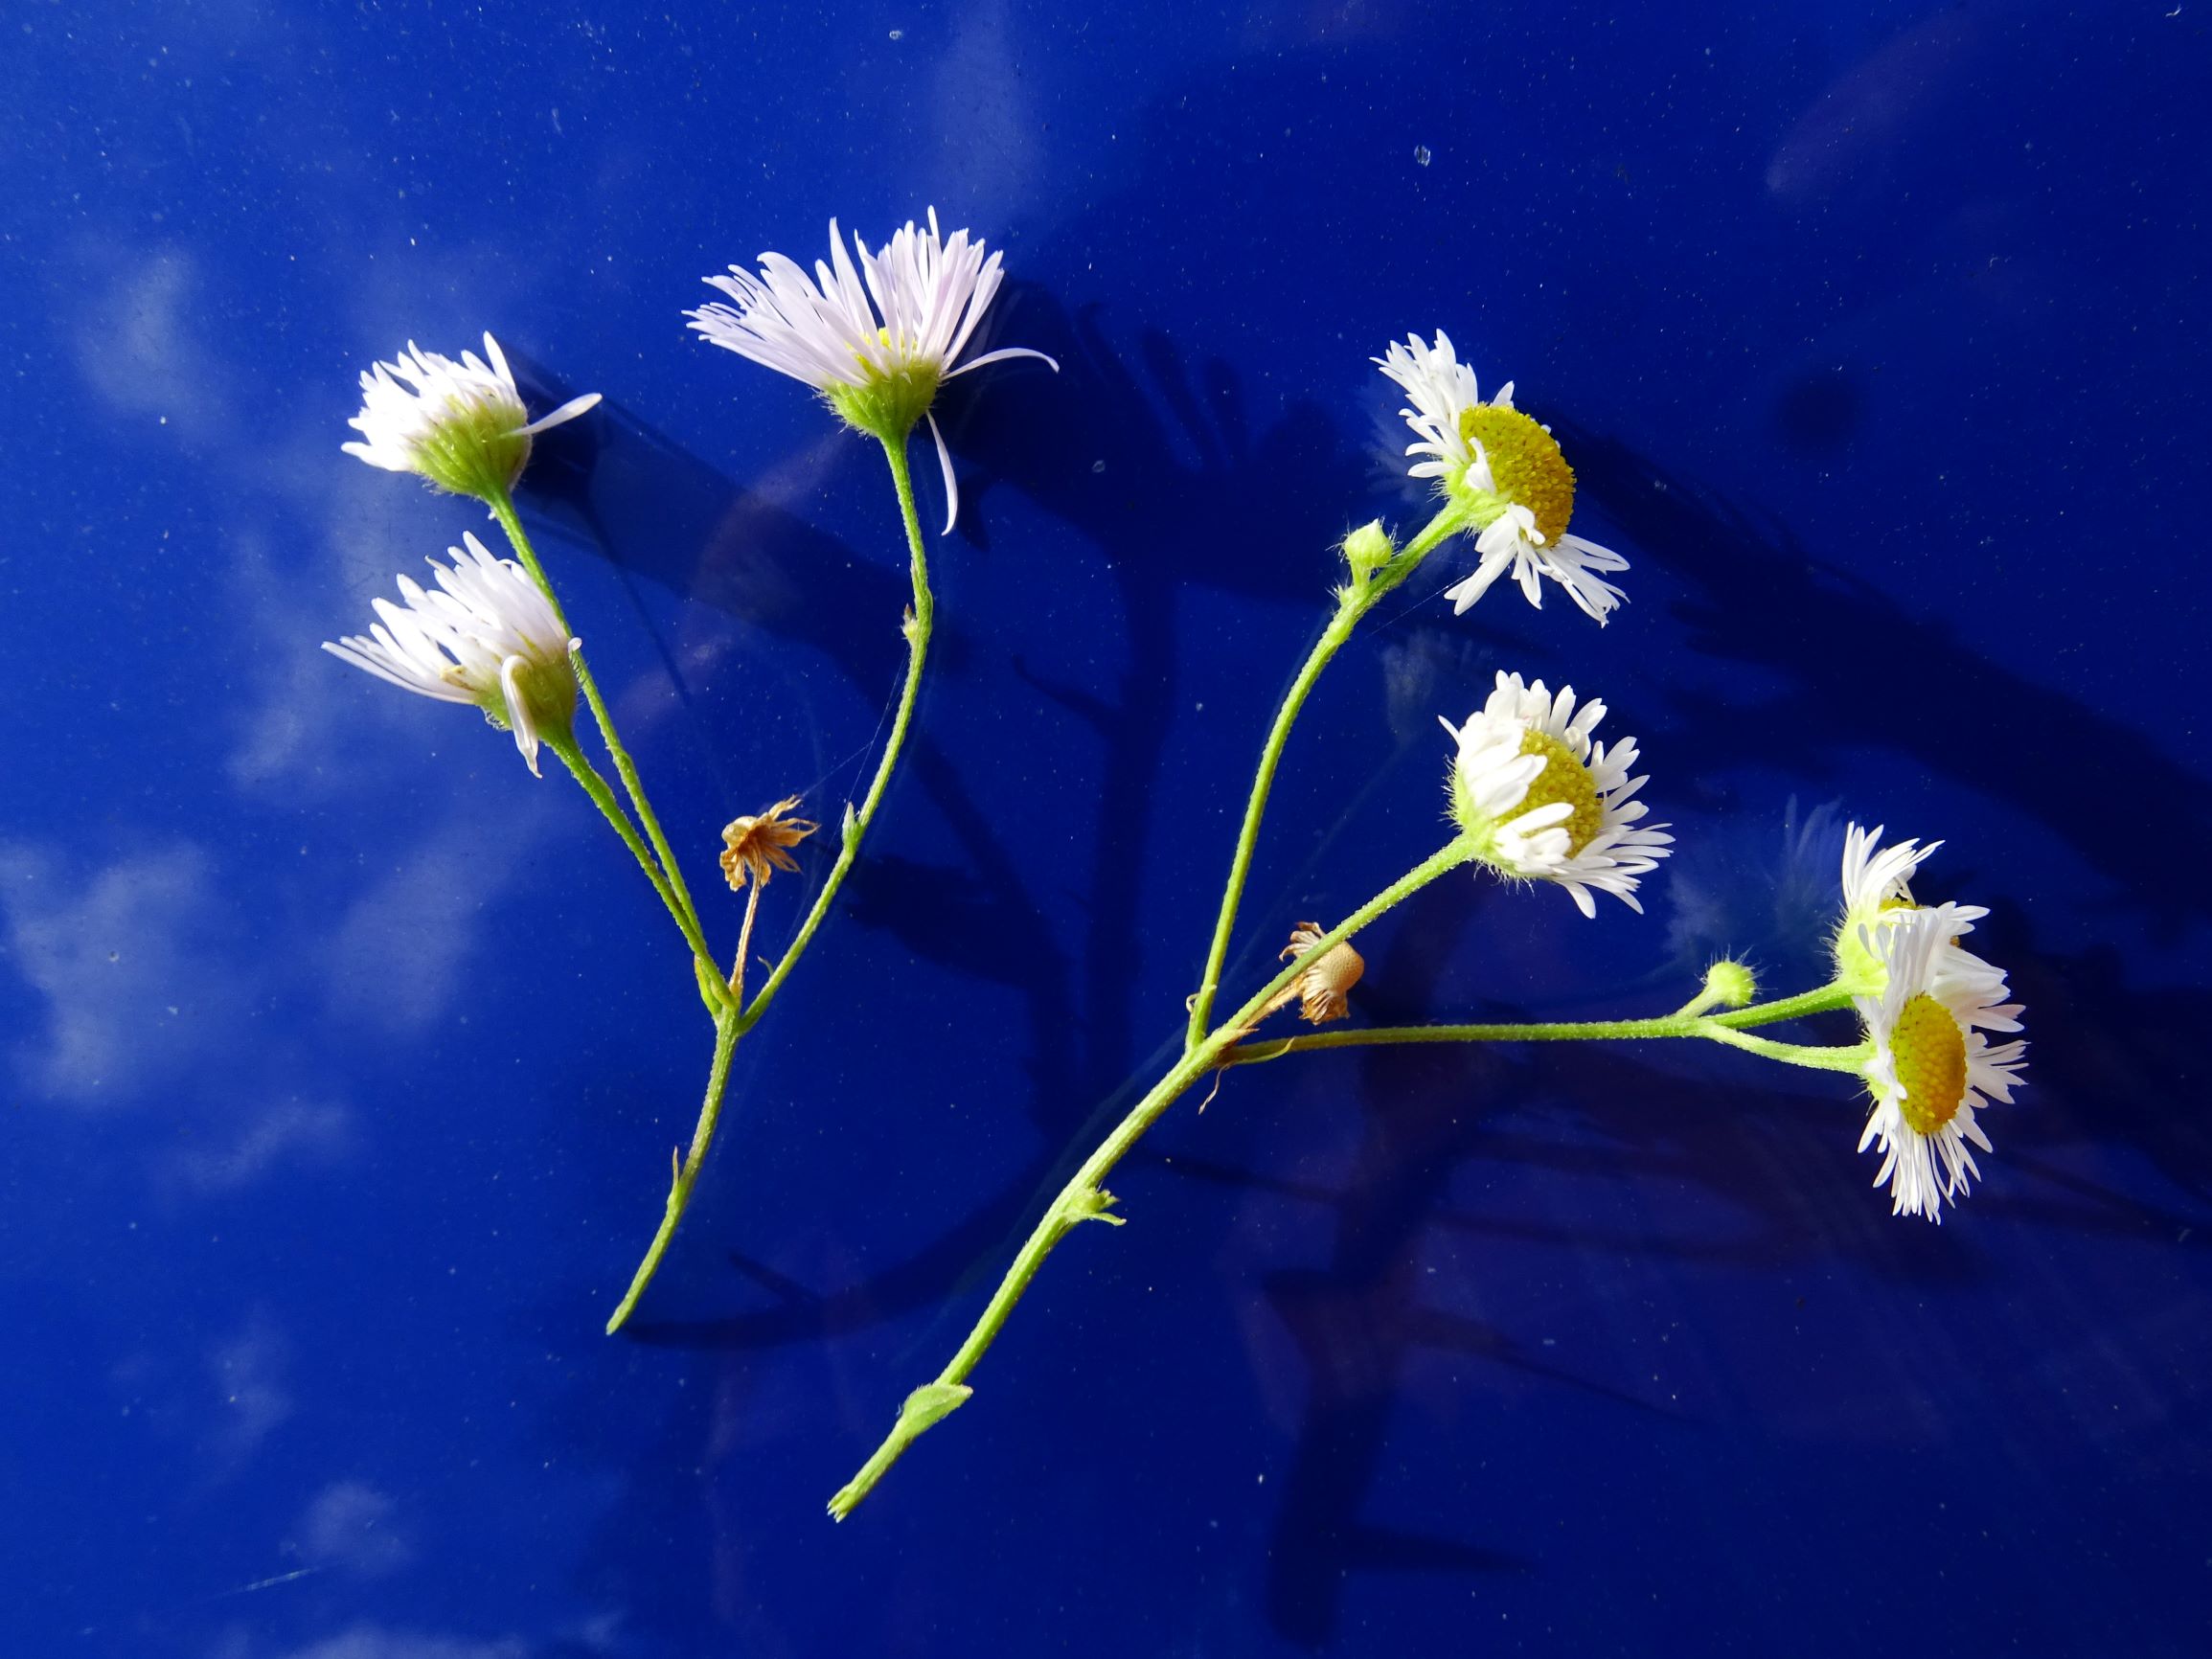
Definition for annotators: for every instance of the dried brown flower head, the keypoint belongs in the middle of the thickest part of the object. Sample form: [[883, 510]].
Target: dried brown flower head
[[755, 845], [1321, 989]]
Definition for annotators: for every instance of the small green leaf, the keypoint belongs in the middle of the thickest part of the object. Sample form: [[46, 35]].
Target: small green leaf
[[1093, 1204], [711, 992], [929, 1405]]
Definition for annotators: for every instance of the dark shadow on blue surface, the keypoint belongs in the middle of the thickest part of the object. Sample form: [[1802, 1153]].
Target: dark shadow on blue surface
[[1852, 667], [2102, 1067], [1089, 447]]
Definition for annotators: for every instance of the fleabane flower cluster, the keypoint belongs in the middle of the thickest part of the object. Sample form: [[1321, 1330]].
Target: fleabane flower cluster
[[1924, 1003], [461, 426], [1542, 802], [487, 636], [876, 336], [1505, 471]]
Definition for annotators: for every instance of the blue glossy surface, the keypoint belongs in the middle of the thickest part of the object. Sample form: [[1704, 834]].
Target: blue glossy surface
[[345, 1058]]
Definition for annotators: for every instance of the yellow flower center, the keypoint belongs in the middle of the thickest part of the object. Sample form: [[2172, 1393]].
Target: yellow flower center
[[1525, 464], [1931, 1052], [1563, 779]]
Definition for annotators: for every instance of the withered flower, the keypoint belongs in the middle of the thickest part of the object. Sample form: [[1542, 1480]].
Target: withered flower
[[1319, 991], [755, 846], [1321, 988]]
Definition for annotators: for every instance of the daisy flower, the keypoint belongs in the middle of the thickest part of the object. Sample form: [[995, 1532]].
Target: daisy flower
[[1506, 471], [487, 636], [1543, 803], [1877, 883], [1932, 1068], [876, 338], [461, 426]]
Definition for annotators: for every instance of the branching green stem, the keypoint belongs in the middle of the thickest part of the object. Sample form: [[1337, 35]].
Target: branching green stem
[[732, 1025], [667, 876], [1354, 600], [1828, 997], [602, 797], [1724, 1028], [1083, 1200], [1672, 1025]]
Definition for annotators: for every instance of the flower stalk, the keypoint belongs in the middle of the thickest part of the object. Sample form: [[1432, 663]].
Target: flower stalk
[[733, 1022], [1084, 1199], [1369, 584], [1727, 1029], [502, 504]]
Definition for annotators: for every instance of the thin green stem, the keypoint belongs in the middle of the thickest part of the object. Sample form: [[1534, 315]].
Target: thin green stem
[[1819, 1001], [1847, 1058], [1672, 1025], [602, 797], [728, 1030], [1687, 1022], [917, 627], [1354, 601], [1332, 638], [502, 505], [1083, 1200]]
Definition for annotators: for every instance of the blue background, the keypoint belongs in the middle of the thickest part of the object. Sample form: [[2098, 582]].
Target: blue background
[[344, 1058]]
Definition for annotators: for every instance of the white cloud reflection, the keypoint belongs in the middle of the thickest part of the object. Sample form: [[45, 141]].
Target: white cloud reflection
[[138, 352], [350, 1524], [293, 1133], [127, 958], [248, 1373], [394, 1642]]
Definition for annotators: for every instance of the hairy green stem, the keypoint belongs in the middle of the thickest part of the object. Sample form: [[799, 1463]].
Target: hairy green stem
[[1724, 1028], [728, 1030], [917, 627], [728, 1027], [1082, 1199], [602, 797], [1830, 995], [1353, 602], [1847, 1058], [502, 505], [1672, 1025]]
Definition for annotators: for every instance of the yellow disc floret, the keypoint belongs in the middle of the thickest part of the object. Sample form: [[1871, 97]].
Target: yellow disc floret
[[1931, 1052], [1525, 464], [1564, 779]]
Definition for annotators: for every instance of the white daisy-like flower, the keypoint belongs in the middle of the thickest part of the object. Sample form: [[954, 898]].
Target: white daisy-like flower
[[1545, 802], [1932, 1069], [1507, 471], [487, 636], [1876, 878], [462, 425], [1877, 883], [876, 338]]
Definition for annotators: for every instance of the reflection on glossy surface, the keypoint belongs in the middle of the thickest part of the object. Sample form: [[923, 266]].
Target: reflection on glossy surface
[[343, 1053]]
